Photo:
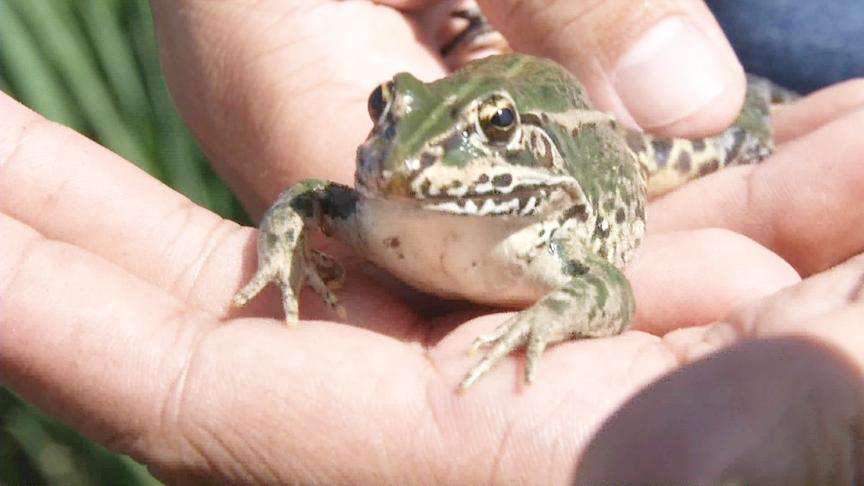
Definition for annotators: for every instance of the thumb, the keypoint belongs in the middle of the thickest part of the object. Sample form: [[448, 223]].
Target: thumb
[[665, 66]]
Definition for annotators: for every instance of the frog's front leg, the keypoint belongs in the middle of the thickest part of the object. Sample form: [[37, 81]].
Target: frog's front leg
[[284, 255], [596, 301]]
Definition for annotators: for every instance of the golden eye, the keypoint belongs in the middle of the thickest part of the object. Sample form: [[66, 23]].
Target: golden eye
[[379, 99], [498, 119]]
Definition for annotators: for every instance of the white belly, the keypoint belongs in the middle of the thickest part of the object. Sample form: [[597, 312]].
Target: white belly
[[492, 260]]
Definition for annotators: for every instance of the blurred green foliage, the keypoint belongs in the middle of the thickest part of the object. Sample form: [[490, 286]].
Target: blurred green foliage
[[93, 65]]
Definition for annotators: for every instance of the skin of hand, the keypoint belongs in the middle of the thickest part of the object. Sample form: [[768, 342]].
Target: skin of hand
[[133, 344]]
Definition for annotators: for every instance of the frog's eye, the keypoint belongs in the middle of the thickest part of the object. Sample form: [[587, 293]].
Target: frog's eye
[[498, 119], [379, 99]]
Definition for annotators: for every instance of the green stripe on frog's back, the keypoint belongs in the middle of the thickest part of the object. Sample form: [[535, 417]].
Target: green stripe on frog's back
[[671, 162]]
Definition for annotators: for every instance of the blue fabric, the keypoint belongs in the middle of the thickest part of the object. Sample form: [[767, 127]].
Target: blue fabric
[[800, 44]]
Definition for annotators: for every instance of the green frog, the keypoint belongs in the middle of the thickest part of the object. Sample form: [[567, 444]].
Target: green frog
[[502, 185]]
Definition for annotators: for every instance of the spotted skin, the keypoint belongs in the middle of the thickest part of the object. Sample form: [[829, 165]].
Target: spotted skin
[[498, 184]]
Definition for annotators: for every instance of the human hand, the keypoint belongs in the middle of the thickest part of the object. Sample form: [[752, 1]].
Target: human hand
[[114, 318], [227, 401]]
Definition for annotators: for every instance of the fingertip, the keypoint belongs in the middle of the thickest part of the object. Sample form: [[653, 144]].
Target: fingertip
[[664, 66], [675, 79]]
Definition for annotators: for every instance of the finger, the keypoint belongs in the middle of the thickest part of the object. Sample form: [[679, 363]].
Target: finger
[[80, 333], [781, 411], [70, 189], [805, 202], [797, 119], [664, 65], [829, 297], [689, 278], [278, 97]]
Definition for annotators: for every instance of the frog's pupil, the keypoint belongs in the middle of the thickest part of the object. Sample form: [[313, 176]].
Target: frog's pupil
[[503, 118], [376, 103]]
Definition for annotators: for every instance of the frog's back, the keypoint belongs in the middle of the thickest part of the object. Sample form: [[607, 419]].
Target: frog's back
[[536, 84]]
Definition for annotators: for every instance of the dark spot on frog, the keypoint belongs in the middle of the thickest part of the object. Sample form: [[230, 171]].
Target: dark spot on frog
[[620, 215], [483, 179], [455, 111], [635, 140], [698, 145], [449, 188], [601, 228], [392, 242], [427, 159], [603, 252], [502, 180], [530, 119], [661, 147], [640, 210], [575, 268], [682, 165], [579, 211], [339, 201], [737, 141], [425, 186], [709, 167]]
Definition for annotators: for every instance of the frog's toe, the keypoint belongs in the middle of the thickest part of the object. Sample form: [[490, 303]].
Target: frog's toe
[[292, 314], [323, 274], [486, 340], [329, 269], [505, 339], [253, 288], [537, 342]]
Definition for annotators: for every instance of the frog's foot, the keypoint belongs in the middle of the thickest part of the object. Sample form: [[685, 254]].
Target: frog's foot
[[284, 256], [596, 302], [324, 275], [530, 327], [332, 272], [320, 271]]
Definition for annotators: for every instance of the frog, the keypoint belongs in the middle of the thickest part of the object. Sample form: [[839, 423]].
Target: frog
[[499, 184]]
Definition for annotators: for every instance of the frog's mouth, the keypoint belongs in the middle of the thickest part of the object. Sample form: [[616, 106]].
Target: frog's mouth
[[491, 190], [523, 201]]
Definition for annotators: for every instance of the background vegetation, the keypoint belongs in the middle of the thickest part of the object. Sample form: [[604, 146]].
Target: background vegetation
[[93, 65]]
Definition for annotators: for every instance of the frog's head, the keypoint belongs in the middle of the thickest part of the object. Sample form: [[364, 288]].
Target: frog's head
[[472, 143]]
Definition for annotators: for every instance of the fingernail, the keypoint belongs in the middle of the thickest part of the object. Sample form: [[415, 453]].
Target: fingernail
[[672, 72]]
